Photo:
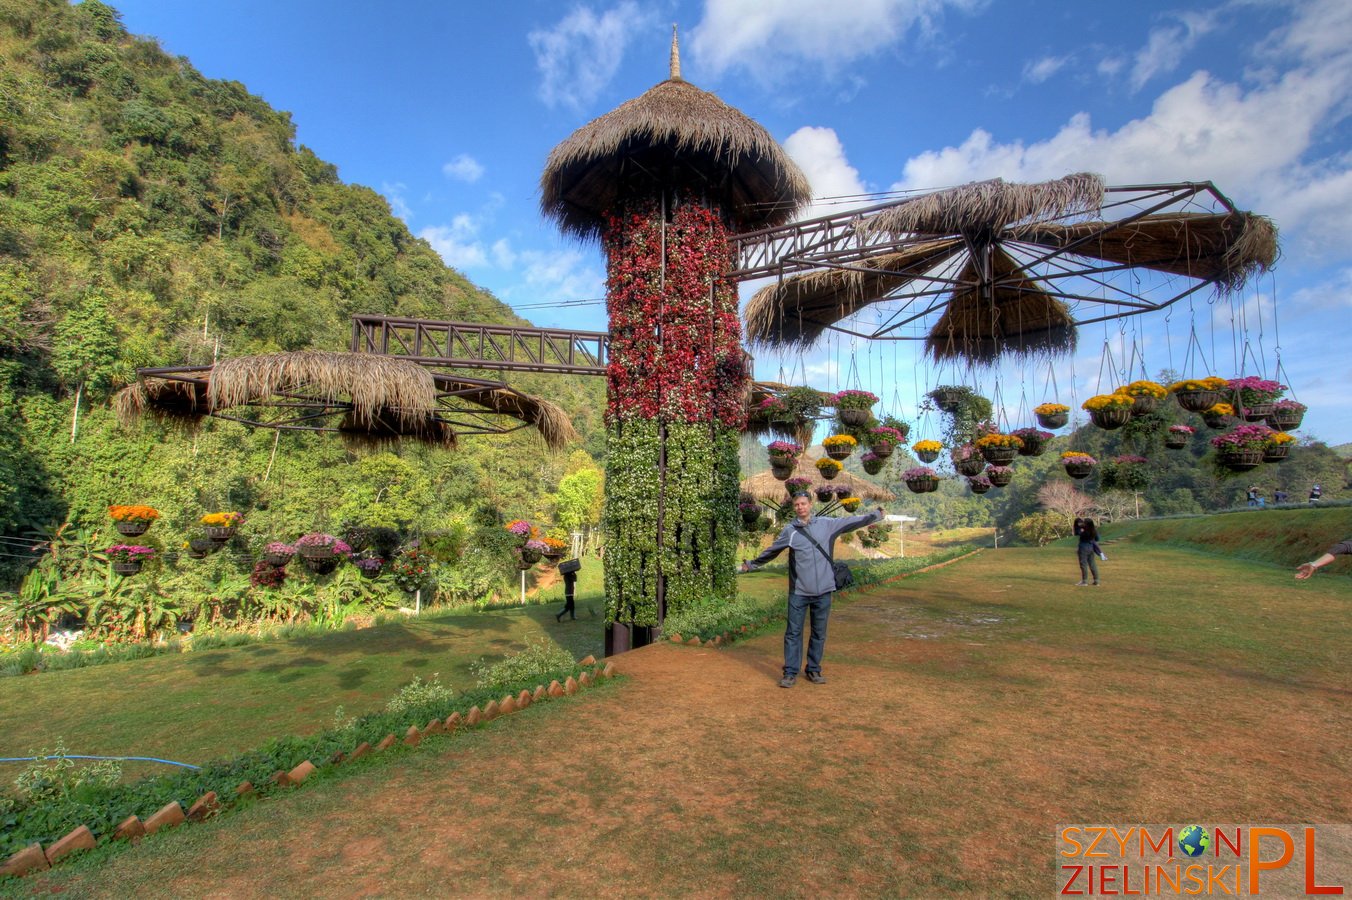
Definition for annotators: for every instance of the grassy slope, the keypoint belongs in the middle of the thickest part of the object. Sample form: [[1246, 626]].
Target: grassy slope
[[969, 711], [1283, 537]]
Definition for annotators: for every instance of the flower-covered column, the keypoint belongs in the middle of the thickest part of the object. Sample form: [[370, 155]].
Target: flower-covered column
[[676, 386]]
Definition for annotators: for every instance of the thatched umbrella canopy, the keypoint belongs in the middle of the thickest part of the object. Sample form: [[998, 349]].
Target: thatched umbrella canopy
[[764, 485], [375, 386], [368, 399], [987, 269], [673, 136]]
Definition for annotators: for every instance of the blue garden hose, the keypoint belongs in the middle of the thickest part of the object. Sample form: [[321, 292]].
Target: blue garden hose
[[167, 762]]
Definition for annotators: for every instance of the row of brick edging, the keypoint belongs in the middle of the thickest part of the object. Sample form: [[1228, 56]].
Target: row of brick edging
[[728, 637], [35, 857]]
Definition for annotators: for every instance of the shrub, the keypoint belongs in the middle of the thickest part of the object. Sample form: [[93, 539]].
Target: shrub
[[540, 658], [1041, 528], [419, 693]]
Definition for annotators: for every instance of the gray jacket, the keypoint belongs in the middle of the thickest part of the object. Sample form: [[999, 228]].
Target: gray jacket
[[810, 572]]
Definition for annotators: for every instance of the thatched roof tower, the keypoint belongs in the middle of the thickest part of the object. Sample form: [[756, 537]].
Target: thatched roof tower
[[674, 136]]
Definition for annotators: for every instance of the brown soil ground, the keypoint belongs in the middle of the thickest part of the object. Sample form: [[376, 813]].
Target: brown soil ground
[[954, 734]]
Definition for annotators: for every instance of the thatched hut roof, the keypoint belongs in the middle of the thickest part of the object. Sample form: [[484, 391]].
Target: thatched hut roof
[[387, 427], [764, 485], [172, 402], [673, 136]]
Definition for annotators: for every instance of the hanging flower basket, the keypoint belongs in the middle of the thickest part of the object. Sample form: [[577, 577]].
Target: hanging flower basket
[[1286, 415], [371, 567], [854, 408], [927, 456], [220, 526], [320, 565], [999, 449], [781, 474], [198, 548], [824, 493], [1222, 415], [1144, 404], [921, 480], [1276, 453], [132, 528], [946, 398], [927, 451], [839, 446], [1052, 415], [872, 462], [1243, 449], [1034, 441], [828, 468], [751, 513], [1078, 465], [1175, 441], [1258, 412], [851, 503], [127, 559], [1241, 460], [1146, 396], [969, 467], [1000, 476], [854, 417], [1109, 411], [278, 554], [1198, 395], [1110, 419], [979, 485], [530, 556]]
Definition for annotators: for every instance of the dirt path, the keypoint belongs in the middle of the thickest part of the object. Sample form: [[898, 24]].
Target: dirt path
[[957, 729]]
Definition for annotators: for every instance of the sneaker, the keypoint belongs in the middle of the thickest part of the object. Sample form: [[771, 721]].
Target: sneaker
[[1081, 583], [788, 681], [816, 677], [1096, 584]]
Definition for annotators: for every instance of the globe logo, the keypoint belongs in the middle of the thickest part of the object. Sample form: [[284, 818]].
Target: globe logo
[[1194, 840]]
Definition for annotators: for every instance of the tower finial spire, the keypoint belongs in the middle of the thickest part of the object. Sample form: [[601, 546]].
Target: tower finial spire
[[675, 55]]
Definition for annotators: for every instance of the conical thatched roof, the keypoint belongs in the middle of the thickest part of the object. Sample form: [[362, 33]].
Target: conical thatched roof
[[548, 418], [673, 136], [765, 486]]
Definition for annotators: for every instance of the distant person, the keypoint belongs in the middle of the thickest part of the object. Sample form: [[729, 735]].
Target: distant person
[[812, 579], [1087, 551], [1279, 496], [1315, 493], [1342, 548], [1252, 495]]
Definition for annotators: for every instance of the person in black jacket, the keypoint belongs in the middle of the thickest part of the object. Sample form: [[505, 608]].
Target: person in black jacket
[[1087, 551], [809, 540]]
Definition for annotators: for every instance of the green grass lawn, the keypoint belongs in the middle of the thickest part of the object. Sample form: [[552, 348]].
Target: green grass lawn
[[192, 707]]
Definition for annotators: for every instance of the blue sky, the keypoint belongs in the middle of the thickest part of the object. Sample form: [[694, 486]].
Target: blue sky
[[450, 109]]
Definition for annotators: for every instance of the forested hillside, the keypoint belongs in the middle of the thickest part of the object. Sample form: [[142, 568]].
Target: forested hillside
[[151, 216]]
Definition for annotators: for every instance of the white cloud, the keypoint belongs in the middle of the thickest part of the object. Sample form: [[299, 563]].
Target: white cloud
[[1166, 47], [464, 168], [562, 274], [819, 154], [1039, 70], [458, 242], [394, 193], [579, 56], [767, 38], [1109, 66]]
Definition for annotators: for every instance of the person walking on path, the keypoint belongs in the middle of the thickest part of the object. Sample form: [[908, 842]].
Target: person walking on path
[[1087, 550], [1252, 495], [1342, 548], [812, 579], [1315, 493]]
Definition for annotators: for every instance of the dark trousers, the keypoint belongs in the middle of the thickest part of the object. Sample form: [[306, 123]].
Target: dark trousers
[[1088, 562], [799, 607]]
